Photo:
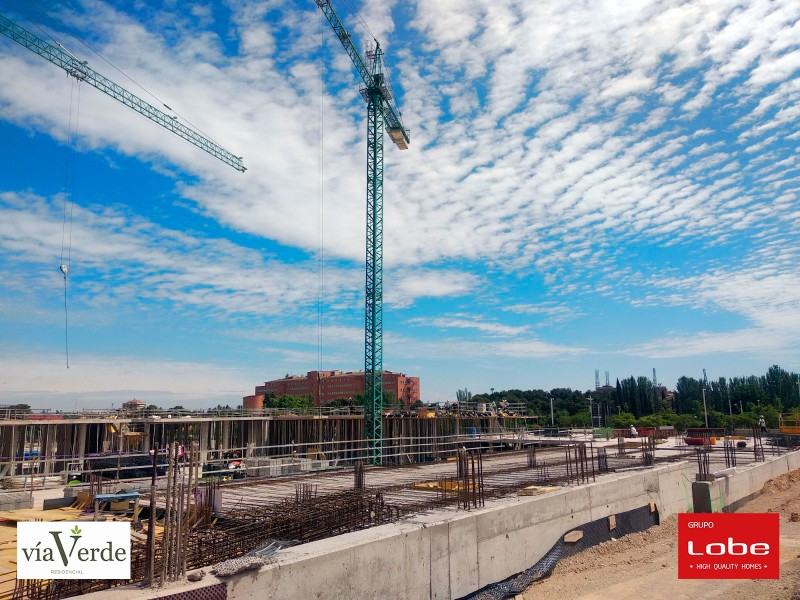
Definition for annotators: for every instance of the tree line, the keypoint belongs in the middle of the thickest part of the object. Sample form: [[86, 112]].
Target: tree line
[[735, 402]]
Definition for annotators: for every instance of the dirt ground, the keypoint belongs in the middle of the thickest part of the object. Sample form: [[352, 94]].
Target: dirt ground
[[645, 564]]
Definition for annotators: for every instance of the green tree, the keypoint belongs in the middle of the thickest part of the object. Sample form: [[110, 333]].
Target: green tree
[[290, 402], [683, 422], [688, 395], [463, 395], [582, 419], [562, 418], [784, 385], [621, 420], [748, 395], [391, 401], [630, 396]]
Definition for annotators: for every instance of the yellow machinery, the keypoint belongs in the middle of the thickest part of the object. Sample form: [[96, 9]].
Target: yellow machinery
[[790, 423]]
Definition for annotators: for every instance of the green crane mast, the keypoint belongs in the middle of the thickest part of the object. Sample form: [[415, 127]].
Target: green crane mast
[[82, 72], [380, 113]]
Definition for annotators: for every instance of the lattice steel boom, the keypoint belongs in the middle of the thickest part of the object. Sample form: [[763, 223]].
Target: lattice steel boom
[[82, 72], [380, 113]]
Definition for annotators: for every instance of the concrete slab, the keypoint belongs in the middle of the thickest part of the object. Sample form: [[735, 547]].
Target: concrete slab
[[447, 554]]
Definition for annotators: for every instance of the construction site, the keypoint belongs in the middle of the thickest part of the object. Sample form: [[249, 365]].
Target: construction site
[[201, 492], [439, 504]]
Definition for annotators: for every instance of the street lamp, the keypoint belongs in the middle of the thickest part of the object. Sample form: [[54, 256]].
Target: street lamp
[[552, 422], [705, 410]]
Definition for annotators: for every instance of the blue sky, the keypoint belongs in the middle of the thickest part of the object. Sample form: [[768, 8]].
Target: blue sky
[[594, 185]]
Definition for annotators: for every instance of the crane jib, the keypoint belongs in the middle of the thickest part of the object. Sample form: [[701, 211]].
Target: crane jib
[[82, 72], [397, 132]]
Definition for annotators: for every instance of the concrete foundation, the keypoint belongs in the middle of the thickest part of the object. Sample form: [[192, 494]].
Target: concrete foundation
[[449, 554]]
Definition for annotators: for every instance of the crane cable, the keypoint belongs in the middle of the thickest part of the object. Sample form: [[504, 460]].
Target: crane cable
[[321, 197], [361, 21], [69, 190]]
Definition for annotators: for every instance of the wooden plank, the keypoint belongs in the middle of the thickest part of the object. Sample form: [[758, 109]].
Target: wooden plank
[[31, 514], [535, 490]]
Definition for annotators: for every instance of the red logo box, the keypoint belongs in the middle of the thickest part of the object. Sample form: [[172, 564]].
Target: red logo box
[[729, 546]]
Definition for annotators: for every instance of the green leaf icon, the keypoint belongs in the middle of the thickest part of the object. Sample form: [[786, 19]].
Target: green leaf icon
[[75, 530]]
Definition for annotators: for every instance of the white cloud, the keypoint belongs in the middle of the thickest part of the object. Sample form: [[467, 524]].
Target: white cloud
[[470, 322], [693, 344], [97, 381], [553, 313], [407, 286], [521, 349], [590, 147], [119, 258]]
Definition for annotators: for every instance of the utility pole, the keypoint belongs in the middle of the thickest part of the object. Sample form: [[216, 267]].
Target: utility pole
[[705, 410]]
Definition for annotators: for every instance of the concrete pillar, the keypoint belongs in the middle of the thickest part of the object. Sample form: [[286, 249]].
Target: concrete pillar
[[226, 435], [205, 426], [19, 449], [83, 429], [10, 451], [61, 448], [46, 451]]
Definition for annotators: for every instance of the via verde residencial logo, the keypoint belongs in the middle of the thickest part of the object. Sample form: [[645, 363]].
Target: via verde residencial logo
[[74, 550]]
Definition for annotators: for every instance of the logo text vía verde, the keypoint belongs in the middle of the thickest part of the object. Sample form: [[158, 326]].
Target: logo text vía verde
[[73, 550]]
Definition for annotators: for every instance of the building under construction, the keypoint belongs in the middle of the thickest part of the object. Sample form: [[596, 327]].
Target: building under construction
[[204, 489], [47, 444]]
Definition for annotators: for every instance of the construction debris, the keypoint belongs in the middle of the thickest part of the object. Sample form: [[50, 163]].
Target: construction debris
[[237, 565]]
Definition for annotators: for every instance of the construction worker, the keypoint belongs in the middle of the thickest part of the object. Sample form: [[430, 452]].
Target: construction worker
[[633, 431], [762, 424]]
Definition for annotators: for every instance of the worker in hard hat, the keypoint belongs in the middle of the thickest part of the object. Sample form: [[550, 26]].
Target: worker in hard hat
[[633, 431], [762, 424]]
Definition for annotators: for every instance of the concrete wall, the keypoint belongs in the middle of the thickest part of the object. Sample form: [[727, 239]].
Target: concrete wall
[[733, 487], [449, 554]]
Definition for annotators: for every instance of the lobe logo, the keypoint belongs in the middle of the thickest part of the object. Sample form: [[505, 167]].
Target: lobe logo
[[729, 546]]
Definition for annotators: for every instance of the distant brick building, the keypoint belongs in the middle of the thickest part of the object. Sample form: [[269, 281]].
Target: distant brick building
[[134, 405], [326, 386]]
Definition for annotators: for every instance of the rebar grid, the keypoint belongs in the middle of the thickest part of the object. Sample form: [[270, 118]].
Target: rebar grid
[[223, 520]]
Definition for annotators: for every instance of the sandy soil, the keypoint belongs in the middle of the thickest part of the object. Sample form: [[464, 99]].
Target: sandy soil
[[645, 564]]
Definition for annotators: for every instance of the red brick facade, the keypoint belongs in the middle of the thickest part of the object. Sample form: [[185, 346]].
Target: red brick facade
[[326, 386]]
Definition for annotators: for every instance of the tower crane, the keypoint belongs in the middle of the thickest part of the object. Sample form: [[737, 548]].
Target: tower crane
[[381, 113], [81, 71]]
